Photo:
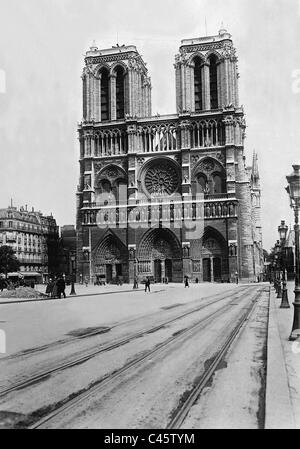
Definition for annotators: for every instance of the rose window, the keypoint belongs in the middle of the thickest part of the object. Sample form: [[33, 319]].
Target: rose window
[[161, 179]]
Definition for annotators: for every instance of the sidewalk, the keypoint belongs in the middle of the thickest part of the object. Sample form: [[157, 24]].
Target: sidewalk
[[81, 290], [96, 290], [283, 367]]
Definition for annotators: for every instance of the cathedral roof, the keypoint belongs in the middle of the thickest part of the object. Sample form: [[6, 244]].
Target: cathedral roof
[[223, 35]]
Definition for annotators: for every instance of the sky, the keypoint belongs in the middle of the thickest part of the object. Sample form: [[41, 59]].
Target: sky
[[42, 46]]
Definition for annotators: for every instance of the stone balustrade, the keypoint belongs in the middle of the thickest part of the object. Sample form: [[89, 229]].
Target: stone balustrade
[[155, 212]]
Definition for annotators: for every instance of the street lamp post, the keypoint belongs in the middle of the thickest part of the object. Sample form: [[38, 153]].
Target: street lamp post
[[72, 292], [293, 190], [278, 271], [135, 281], [273, 273], [282, 230]]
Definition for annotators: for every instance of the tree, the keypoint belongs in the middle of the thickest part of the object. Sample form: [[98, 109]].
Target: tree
[[8, 260]]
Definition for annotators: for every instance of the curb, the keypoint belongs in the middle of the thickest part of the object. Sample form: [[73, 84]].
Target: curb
[[21, 301], [279, 410]]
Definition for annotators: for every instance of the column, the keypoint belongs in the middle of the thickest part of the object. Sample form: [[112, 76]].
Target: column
[[92, 146], [183, 101], [226, 79], [188, 104], [132, 263], [88, 106], [186, 260], [206, 87], [129, 92], [163, 269], [93, 97], [85, 146], [230, 82], [84, 96], [139, 93], [219, 81], [211, 269], [178, 88], [236, 84], [112, 100], [150, 101], [135, 93], [98, 99], [192, 89]]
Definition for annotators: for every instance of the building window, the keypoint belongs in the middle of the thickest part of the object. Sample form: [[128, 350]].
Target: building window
[[104, 95], [213, 82], [120, 92], [10, 224], [198, 85]]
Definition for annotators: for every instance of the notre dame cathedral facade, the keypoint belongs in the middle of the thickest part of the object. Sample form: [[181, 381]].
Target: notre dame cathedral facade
[[166, 196]]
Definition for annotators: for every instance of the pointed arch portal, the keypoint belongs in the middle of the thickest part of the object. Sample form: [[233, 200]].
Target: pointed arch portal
[[159, 256], [110, 259], [214, 253]]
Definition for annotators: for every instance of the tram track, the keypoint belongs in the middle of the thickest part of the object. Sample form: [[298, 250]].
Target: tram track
[[102, 385], [44, 374], [63, 343], [182, 412]]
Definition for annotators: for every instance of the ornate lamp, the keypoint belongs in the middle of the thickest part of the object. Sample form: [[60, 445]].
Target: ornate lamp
[[293, 190], [72, 292], [282, 230], [277, 258]]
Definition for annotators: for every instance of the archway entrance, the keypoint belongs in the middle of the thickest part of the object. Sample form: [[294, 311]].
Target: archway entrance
[[110, 260], [159, 256], [214, 256]]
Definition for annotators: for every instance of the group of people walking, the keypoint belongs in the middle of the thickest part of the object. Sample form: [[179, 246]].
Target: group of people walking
[[56, 287]]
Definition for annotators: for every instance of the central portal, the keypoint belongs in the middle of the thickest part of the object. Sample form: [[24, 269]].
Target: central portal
[[159, 256]]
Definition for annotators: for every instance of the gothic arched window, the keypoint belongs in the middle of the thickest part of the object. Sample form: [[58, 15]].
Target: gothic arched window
[[104, 95], [198, 84], [120, 92], [213, 82]]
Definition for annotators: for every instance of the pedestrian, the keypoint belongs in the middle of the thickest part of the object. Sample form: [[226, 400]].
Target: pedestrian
[[61, 285], [49, 288], [147, 285], [86, 281], [186, 282], [236, 277], [197, 280], [54, 289], [135, 282]]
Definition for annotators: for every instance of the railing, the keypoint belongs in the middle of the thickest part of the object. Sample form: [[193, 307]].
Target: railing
[[158, 200], [154, 134], [157, 212], [30, 261]]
